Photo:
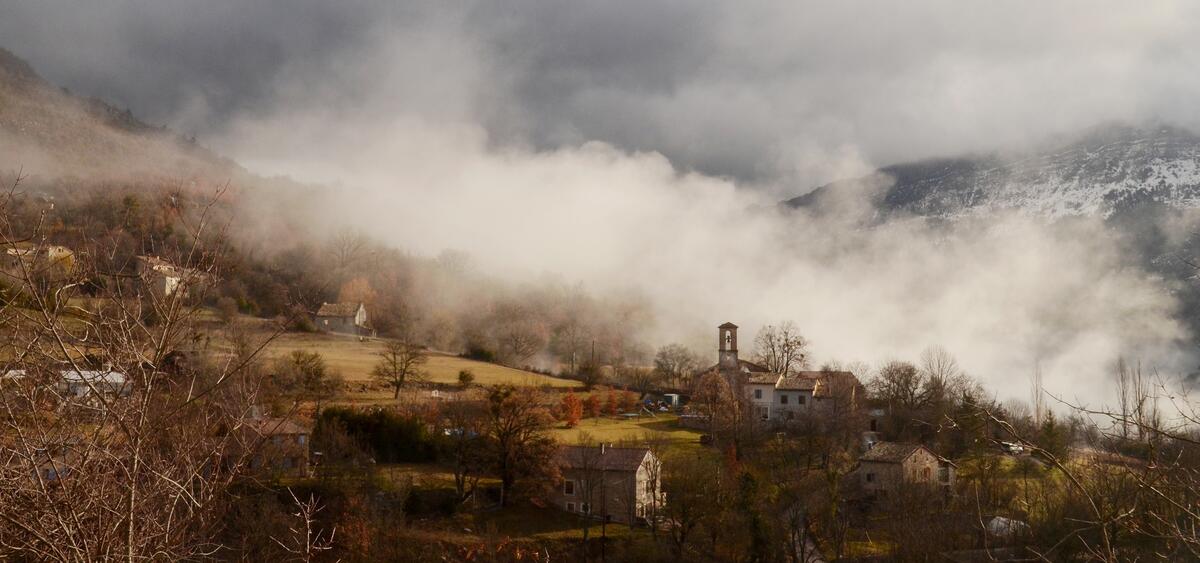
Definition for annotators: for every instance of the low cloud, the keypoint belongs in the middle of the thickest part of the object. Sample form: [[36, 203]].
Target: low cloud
[[634, 146], [1004, 293]]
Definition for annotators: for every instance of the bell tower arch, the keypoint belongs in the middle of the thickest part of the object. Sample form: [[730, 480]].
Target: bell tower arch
[[727, 353]]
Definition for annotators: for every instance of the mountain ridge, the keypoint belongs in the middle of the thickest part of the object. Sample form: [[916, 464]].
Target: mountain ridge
[[46, 130], [1109, 169]]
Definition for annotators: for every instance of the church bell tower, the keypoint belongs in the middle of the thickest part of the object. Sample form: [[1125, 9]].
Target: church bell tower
[[727, 357]]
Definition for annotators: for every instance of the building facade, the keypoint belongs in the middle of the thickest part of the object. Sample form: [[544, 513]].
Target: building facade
[[280, 447], [162, 278], [618, 484], [344, 318], [887, 466]]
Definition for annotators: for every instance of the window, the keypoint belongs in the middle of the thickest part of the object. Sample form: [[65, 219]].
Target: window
[[301, 439], [791, 415], [925, 473], [570, 507], [569, 488], [874, 425], [801, 401], [758, 393], [870, 477], [783, 399]]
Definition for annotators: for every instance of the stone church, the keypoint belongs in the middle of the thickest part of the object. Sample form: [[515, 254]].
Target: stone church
[[778, 398]]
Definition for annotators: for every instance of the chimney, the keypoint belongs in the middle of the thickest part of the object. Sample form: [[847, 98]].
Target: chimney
[[602, 445]]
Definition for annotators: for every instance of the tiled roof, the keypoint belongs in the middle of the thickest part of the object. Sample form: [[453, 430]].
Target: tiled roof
[[763, 378], [890, 452], [166, 267], [802, 381], [743, 367], [820, 382], [608, 458], [348, 309]]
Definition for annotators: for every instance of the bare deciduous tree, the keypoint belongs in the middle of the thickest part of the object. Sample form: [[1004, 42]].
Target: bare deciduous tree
[[515, 425], [121, 428], [676, 364], [399, 364], [781, 349]]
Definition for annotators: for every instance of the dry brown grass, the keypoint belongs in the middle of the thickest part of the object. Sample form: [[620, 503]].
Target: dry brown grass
[[355, 358]]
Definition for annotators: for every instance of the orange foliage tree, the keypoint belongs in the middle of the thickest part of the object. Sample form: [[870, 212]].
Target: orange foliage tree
[[357, 290], [631, 401], [572, 409], [611, 405], [592, 405]]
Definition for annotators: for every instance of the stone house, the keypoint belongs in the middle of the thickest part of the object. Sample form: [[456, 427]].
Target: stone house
[[620, 484], [163, 278], [888, 466], [345, 318], [45, 261], [280, 446], [777, 398]]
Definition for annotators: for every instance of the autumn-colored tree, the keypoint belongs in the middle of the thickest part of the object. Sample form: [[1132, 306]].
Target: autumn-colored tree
[[611, 405], [631, 401], [357, 290], [592, 405], [572, 409]]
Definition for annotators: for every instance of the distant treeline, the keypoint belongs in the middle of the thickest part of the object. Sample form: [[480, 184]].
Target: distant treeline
[[444, 302]]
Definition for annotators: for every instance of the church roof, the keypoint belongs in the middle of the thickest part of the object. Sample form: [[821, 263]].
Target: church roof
[[763, 378], [728, 325], [819, 382], [744, 367]]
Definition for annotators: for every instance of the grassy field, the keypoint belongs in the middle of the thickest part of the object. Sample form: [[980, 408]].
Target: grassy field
[[354, 359], [626, 430]]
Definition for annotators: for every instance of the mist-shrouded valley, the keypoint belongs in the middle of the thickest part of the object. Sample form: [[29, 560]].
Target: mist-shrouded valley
[[456, 283]]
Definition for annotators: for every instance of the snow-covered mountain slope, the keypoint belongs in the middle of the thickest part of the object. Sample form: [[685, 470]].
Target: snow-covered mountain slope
[[1108, 170]]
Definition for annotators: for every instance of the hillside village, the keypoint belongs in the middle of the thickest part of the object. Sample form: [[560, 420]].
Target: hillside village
[[190, 371], [659, 458]]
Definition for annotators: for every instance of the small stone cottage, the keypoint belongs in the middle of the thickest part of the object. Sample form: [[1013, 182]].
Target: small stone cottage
[[281, 446], [162, 278], [889, 465], [607, 482], [344, 318]]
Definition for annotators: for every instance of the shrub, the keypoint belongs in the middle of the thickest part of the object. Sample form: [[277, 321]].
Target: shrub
[[479, 353], [390, 437], [227, 309], [465, 378]]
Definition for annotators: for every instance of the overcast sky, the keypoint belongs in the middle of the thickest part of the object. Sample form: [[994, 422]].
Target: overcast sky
[[630, 144], [776, 94]]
